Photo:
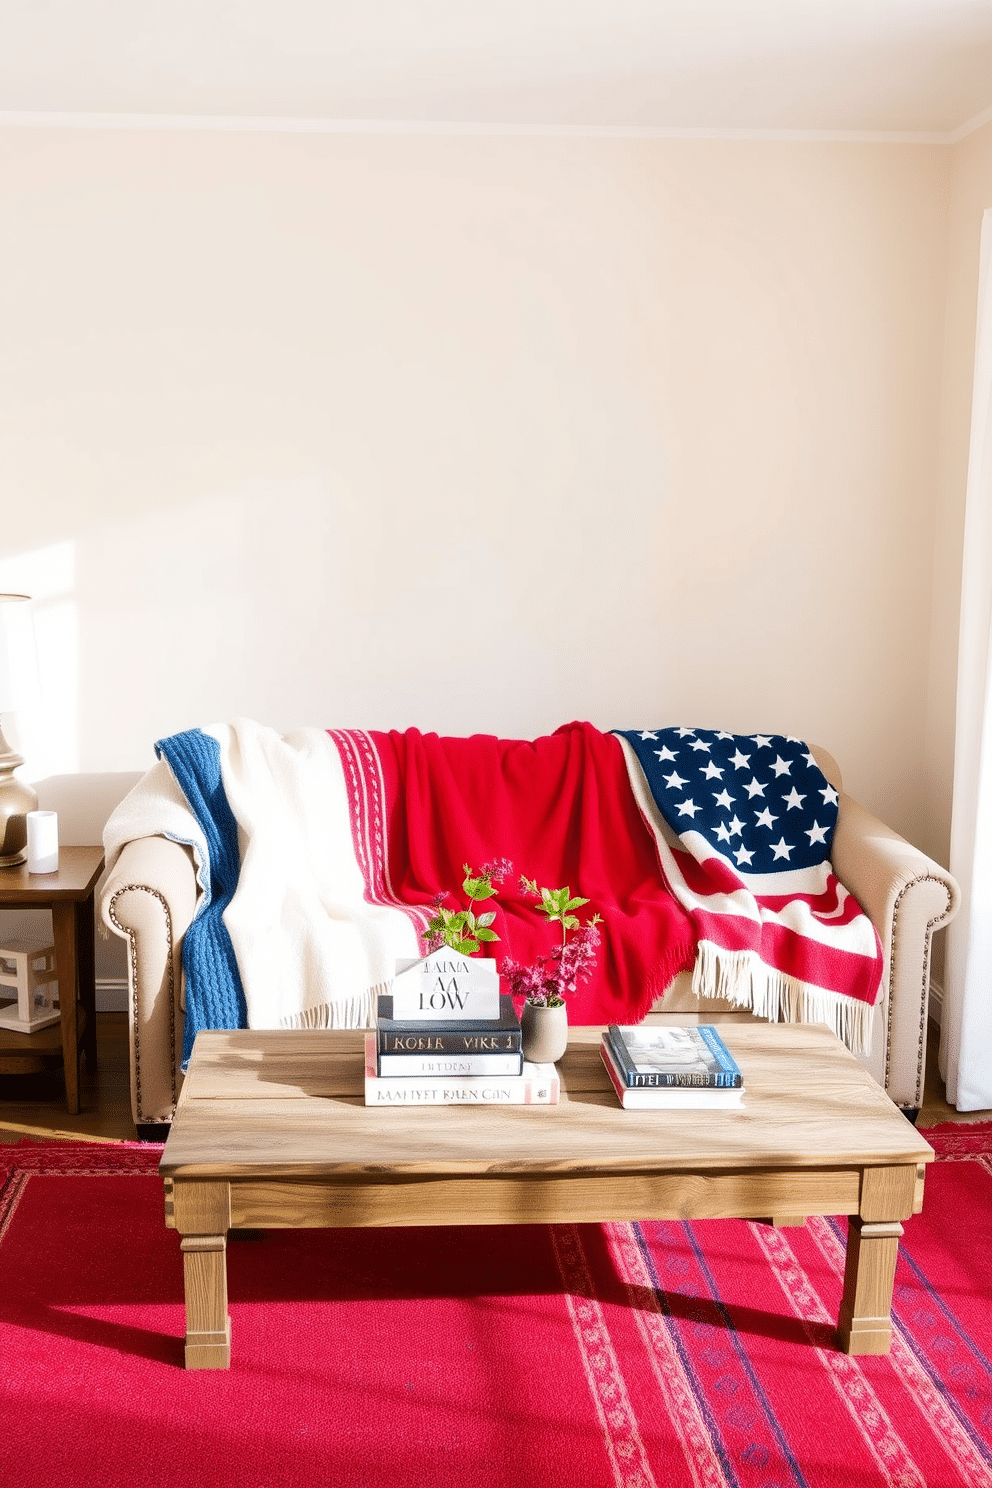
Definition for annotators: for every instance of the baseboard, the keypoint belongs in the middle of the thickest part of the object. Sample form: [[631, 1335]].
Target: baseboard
[[111, 995]]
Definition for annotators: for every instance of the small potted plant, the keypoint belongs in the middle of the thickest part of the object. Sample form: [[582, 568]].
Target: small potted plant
[[462, 929], [545, 985]]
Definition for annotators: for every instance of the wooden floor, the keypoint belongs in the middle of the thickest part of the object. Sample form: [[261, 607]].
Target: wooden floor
[[33, 1106]]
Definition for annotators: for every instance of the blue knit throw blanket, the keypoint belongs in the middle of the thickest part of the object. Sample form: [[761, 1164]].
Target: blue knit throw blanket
[[214, 995]]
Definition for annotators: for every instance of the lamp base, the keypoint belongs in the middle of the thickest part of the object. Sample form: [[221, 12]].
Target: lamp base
[[16, 800]]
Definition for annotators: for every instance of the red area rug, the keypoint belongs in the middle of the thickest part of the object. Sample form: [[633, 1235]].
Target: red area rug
[[614, 1356]]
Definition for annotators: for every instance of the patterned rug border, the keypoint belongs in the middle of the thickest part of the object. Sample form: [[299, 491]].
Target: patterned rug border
[[80, 1157], [960, 1138]]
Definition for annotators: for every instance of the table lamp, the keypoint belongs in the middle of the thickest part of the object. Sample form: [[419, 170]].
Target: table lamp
[[16, 798]]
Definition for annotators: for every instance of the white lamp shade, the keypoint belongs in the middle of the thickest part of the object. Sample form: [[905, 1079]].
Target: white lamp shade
[[17, 651]]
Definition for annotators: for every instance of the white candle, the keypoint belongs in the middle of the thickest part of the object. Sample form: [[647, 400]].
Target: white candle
[[43, 842]]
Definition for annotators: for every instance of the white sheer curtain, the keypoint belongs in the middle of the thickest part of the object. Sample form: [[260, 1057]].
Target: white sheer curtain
[[966, 1024]]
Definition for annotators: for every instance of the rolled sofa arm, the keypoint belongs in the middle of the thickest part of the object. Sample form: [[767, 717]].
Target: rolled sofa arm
[[149, 898], [907, 896]]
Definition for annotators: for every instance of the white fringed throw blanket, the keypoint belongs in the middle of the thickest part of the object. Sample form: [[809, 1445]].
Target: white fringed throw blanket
[[283, 934]]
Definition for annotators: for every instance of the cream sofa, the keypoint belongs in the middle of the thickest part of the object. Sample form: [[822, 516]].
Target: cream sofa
[[149, 898]]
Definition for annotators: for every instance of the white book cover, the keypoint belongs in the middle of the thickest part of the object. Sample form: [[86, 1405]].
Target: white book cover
[[435, 1065], [538, 1085]]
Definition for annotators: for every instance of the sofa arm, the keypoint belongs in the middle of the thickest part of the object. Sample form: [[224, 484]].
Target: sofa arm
[[907, 896], [149, 898]]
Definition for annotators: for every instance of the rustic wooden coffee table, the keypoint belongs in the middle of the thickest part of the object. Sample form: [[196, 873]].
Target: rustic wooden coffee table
[[272, 1130]]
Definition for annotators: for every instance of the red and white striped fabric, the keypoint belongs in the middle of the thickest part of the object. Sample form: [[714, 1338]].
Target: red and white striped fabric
[[776, 930]]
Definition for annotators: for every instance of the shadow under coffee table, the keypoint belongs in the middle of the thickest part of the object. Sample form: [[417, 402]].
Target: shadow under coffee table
[[271, 1130]]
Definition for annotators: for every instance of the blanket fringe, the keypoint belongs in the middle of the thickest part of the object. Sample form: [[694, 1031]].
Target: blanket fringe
[[349, 1012], [743, 979]]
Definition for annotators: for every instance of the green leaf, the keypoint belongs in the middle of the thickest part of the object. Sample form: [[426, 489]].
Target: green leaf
[[467, 947], [484, 934], [575, 903]]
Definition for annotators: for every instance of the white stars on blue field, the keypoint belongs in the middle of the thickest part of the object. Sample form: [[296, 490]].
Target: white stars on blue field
[[759, 800]]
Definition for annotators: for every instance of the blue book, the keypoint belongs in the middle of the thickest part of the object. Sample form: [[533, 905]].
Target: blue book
[[691, 1056]]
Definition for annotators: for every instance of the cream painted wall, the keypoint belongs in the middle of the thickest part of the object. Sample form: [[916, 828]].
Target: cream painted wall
[[474, 434]]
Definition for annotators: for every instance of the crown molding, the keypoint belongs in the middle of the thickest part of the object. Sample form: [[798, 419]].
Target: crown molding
[[271, 124]]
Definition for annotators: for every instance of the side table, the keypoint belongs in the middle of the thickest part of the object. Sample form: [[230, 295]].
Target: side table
[[68, 893]]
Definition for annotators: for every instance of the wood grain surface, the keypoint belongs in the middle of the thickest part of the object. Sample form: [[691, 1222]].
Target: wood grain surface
[[288, 1103]]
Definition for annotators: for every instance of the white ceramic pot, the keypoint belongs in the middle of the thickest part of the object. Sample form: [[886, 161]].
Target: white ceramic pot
[[545, 1033]]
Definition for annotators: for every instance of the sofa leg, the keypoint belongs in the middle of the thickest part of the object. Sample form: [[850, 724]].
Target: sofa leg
[[911, 1113], [153, 1131]]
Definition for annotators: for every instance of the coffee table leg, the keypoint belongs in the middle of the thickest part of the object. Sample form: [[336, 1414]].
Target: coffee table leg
[[208, 1327], [865, 1325]]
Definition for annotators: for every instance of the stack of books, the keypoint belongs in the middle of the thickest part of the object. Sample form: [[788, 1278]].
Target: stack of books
[[682, 1068], [447, 1063]]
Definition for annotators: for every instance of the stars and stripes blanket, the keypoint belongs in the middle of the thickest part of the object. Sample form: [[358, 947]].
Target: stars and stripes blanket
[[744, 826], [319, 855]]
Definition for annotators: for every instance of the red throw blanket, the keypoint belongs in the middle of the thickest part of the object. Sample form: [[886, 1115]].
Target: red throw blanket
[[560, 808]]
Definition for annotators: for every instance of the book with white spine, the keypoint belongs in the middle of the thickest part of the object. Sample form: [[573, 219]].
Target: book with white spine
[[536, 1085], [439, 1066]]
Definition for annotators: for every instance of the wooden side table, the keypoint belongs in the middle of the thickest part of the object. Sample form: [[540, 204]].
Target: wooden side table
[[68, 893]]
